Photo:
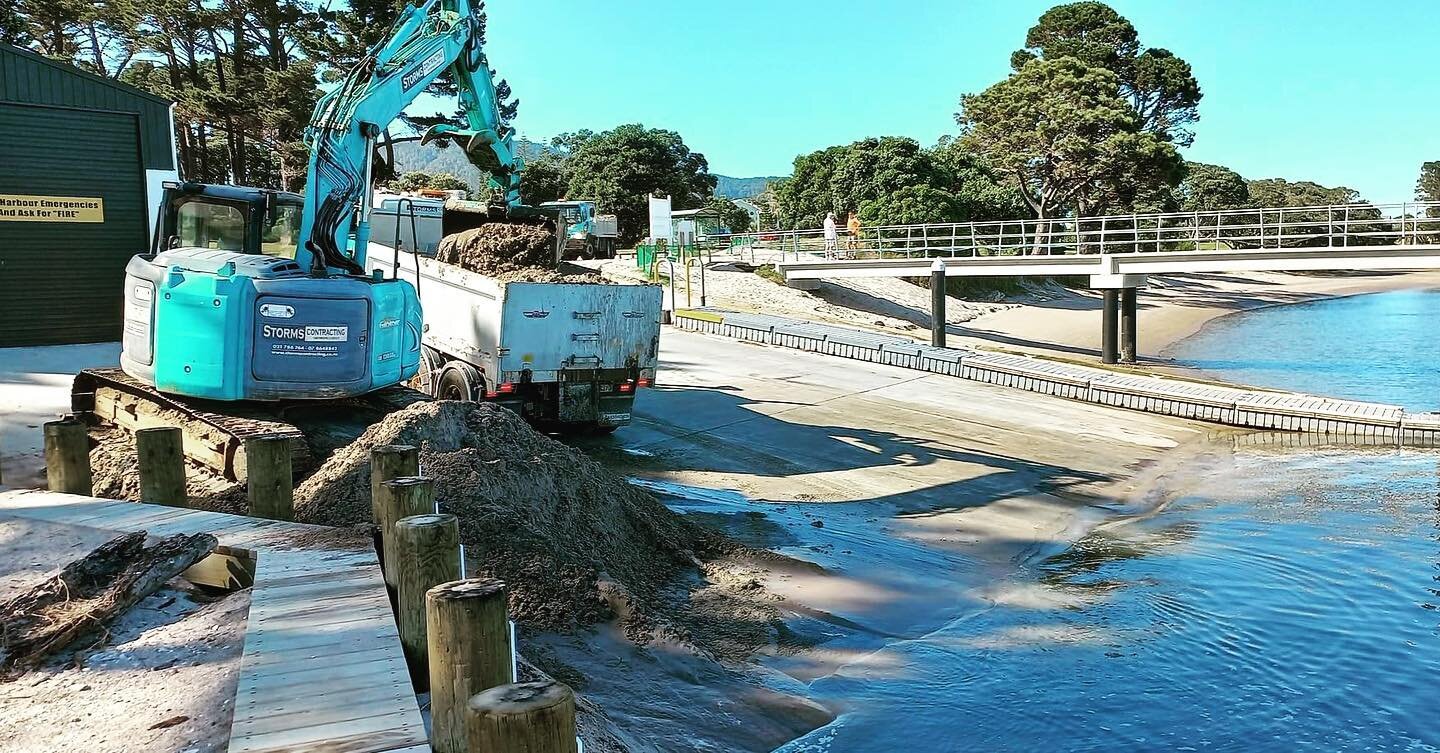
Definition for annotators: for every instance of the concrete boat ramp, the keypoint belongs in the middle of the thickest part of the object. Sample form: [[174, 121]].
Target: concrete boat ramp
[[322, 668]]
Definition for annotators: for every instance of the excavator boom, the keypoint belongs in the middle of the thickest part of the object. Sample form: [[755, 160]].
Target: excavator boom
[[253, 314]]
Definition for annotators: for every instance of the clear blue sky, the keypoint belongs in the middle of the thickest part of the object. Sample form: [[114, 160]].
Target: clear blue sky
[[1335, 92]]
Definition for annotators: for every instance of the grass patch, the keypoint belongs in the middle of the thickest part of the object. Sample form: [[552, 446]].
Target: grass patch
[[769, 272]]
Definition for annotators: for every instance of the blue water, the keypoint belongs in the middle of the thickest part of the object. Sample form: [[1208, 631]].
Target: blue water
[[1383, 347], [1283, 601]]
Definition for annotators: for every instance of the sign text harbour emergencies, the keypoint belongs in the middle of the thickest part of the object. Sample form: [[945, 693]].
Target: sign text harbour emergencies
[[25, 208]]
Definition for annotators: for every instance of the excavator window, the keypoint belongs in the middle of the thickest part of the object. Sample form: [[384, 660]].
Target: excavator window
[[205, 225], [280, 235]]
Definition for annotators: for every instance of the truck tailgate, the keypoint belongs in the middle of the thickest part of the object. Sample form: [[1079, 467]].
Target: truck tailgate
[[547, 327]]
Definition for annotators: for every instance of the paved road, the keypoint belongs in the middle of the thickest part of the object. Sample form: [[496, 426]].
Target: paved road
[[35, 388]]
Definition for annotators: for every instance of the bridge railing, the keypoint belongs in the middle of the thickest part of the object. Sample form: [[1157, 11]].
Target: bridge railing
[[1401, 224]]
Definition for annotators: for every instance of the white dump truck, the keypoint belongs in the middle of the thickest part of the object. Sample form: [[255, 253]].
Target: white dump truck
[[566, 356]]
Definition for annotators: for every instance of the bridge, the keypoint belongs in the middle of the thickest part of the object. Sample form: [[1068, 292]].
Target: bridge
[[1117, 252]]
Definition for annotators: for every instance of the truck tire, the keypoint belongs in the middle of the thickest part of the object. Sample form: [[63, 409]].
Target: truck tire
[[431, 362], [459, 381]]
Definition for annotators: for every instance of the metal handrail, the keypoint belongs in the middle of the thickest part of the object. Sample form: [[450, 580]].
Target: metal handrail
[[1406, 223]]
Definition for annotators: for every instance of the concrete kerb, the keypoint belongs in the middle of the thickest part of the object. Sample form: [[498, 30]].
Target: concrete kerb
[[1290, 412]]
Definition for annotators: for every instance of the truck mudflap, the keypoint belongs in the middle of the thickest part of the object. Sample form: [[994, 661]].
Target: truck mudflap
[[214, 432]]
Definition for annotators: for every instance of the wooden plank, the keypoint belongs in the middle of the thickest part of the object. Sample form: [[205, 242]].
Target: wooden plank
[[325, 696], [317, 615], [272, 581], [356, 647], [354, 709], [68, 514], [347, 589], [302, 684], [341, 737]]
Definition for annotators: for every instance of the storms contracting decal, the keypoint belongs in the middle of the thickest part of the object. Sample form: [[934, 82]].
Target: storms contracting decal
[[418, 73]]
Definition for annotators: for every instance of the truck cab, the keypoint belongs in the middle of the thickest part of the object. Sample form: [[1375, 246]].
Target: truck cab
[[587, 235]]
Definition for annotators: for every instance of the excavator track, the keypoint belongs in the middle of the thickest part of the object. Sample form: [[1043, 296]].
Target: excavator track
[[215, 431]]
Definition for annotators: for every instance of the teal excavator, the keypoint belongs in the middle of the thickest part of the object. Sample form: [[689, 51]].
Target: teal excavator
[[254, 305]]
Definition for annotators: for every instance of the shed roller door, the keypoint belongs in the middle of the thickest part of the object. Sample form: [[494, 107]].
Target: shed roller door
[[61, 282]]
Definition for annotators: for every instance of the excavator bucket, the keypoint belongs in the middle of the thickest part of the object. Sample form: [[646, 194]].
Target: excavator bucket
[[471, 140]]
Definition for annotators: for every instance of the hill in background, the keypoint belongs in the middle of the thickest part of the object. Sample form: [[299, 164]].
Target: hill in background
[[742, 188], [411, 157]]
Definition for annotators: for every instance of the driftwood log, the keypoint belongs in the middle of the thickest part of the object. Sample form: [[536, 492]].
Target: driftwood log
[[89, 593]]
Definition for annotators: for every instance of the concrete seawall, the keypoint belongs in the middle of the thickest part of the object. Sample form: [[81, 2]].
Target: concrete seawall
[[1344, 420]]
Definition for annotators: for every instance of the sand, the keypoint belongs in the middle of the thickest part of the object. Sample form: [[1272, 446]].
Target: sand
[[162, 678], [1046, 319]]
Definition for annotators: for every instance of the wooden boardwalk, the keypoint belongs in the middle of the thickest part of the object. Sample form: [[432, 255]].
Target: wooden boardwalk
[[322, 669]]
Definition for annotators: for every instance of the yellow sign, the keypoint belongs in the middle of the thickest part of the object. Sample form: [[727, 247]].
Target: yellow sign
[[22, 208]]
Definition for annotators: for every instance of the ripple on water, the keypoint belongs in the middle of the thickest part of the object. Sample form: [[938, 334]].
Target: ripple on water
[[1285, 604]]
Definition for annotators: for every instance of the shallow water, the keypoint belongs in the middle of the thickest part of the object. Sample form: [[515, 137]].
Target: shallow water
[[1260, 612], [1283, 601], [1383, 347]]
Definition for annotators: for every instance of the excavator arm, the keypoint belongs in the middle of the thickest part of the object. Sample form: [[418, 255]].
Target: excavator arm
[[425, 41]]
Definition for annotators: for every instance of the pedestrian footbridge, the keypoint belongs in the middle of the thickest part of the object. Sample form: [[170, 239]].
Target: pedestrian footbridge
[[1119, 252]]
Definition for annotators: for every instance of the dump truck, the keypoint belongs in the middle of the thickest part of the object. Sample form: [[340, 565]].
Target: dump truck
[[567, 356], [587, 235]]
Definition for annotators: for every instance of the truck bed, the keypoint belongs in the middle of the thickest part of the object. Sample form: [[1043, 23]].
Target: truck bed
[[547, 328]]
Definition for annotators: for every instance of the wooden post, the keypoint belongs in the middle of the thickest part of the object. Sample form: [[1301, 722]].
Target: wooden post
[[389, 462], [270, 484], [526, 717], [429, 549], [468, 636], [162, 465], [404, 496], [67, 456]]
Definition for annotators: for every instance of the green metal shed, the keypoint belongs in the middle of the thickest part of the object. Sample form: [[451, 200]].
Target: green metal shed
[[81, 164]]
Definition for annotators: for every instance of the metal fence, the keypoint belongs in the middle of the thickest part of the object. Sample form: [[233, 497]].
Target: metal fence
[[1403, 224]]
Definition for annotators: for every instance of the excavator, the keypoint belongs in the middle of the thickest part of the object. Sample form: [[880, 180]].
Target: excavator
[[254, 306]]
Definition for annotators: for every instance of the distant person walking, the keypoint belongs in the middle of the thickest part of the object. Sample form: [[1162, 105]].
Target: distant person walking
[[832, 237], [853, 225]]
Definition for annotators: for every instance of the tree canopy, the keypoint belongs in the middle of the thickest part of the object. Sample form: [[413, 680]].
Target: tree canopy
[[243, 73], [732, 217], [1061, 132], [1207, 187], [878, 176], [1160, 87], [618, 170], [415, 181], [1427, 188]]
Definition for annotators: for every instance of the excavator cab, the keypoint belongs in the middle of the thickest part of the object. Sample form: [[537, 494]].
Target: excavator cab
[[221, 310], [231, 218]]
